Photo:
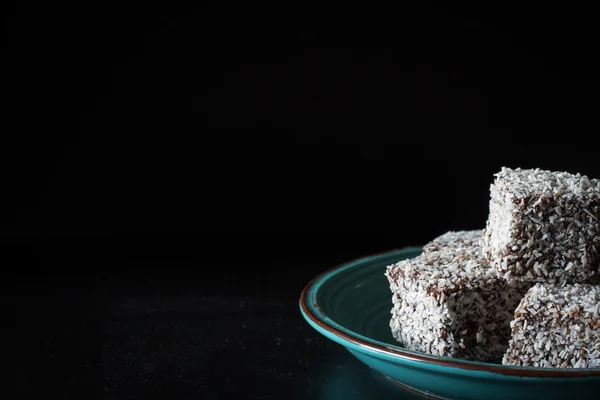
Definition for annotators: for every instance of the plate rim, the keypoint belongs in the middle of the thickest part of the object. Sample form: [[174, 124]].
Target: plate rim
[[319, 319]]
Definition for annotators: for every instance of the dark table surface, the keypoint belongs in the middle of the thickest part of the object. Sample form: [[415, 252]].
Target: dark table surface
[[135, 325]]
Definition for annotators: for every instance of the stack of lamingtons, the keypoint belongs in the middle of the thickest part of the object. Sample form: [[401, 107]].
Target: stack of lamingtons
[[525, 288]]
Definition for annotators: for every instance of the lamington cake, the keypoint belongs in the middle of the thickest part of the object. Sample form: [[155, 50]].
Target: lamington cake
[[543, 226], [454, 240], [556, 326], [449, 302]]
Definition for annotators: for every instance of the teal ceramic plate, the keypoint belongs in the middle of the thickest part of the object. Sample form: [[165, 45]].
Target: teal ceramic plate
[[350, 304]]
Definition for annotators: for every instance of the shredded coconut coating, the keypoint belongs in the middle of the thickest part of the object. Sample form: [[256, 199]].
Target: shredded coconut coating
[[449, 302], [556, 326], [469, 240], [543, 226]]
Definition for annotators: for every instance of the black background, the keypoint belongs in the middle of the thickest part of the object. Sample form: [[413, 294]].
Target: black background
[[228, 151]]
